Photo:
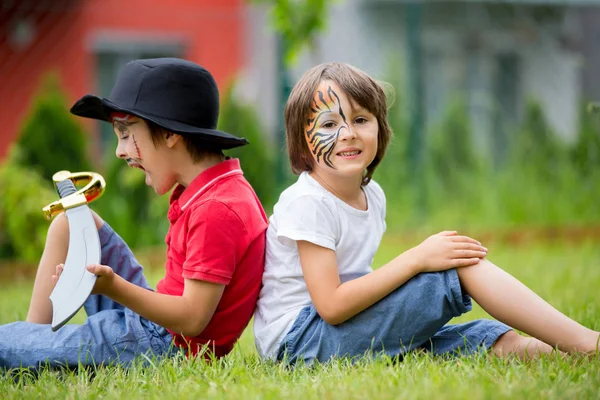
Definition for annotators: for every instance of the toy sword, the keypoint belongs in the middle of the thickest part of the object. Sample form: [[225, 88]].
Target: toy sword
[[75, 282]]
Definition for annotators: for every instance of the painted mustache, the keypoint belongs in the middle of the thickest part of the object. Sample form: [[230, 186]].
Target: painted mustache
[[134, 164]]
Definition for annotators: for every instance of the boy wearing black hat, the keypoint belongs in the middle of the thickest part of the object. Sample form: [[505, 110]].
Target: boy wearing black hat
[[164, 112]]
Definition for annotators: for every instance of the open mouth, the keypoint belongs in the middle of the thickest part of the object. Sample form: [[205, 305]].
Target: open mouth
[[349, 153], [133, 164]]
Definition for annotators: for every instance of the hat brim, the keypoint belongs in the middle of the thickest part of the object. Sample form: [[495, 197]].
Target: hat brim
[[90, 106]]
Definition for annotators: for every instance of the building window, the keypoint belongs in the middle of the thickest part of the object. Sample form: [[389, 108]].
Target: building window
[[112, 54]]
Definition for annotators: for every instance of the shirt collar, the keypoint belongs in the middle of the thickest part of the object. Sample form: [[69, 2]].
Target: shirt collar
[[183, 196]]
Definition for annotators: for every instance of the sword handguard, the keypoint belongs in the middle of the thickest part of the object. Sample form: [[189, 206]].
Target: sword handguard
[[70, 199]]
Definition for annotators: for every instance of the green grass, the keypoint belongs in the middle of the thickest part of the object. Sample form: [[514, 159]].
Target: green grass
[[567, 275]]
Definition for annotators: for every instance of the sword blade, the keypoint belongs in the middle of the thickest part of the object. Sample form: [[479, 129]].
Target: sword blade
[[75, 283]]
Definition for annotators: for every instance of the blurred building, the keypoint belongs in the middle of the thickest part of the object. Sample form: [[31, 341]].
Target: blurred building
[[493, 54], [86, 41]]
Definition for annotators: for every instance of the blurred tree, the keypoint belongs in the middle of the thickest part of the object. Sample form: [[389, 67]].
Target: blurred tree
[[22, 224], [241, 119], [394, 171], [51, 140], [451, 152], [536, 146], [586, 152], [413, 12], [298, 22]]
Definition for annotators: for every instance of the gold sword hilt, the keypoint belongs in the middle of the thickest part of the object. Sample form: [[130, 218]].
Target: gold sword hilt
[[91, 191]]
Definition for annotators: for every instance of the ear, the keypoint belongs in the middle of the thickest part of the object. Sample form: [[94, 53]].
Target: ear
[[171, 139]]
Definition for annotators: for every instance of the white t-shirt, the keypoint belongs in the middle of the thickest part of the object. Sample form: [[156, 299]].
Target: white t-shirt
[[306, 211]]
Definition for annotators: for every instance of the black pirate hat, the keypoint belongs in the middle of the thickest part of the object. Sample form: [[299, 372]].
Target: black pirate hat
[[176, 94]]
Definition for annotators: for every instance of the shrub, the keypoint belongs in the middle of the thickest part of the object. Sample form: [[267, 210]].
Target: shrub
[[22, 224], [396, 173], [586, 152], [450, 149], [51, 140], [256, 158]]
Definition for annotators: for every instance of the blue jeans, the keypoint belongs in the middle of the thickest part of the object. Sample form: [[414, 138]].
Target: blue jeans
[[112, 334], [414, 316]]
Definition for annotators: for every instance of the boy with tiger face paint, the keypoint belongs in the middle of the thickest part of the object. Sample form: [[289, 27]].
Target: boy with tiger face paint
[[341, 134], [330, 111], [320, 298]]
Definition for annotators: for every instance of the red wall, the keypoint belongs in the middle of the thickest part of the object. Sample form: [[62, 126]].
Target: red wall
[[211, 31]]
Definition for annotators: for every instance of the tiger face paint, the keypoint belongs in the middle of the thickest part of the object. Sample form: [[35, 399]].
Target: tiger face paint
[[341, 135], [321, 136]]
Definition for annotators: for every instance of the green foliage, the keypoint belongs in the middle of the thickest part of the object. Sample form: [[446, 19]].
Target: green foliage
[[22, 224], [585, 162], [394, 168], [586, 152], [393, 174], [535, 172], [450, 151], [536, 147], [51, 140], [256, 158], [537, 185], [298, 22], [453, 171], [541, 181]]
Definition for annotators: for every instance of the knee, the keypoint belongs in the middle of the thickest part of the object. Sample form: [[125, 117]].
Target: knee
[[507, 343], [59, 226], [99, 221]]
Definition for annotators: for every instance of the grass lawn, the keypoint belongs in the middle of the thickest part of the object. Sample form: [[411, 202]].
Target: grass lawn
[[567, 275]]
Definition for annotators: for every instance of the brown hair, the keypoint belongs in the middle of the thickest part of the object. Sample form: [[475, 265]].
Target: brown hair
[[359, 86], [195, 146]]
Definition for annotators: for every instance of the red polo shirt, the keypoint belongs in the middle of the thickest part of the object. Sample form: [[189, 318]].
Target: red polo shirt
[[217, 234]]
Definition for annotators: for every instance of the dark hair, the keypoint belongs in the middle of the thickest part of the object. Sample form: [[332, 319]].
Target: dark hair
[[194, 144], [359, 86]]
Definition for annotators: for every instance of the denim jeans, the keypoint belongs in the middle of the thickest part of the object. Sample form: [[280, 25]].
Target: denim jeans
[[414, 316], [112, 334]]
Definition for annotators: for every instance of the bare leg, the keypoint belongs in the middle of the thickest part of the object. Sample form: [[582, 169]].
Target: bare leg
[[510, 301], [525, 348], [55, 252]]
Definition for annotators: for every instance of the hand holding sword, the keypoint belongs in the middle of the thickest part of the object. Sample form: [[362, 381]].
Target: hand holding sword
[[75, 283]]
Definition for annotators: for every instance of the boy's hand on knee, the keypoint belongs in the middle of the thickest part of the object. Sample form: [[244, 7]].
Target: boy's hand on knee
[[447, 250], [105, 279]]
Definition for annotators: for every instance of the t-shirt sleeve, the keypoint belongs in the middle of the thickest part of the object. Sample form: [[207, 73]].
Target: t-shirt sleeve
[[311, 218], [214, 239]]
